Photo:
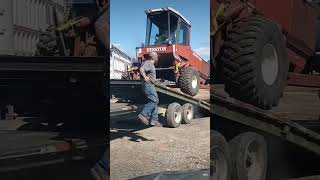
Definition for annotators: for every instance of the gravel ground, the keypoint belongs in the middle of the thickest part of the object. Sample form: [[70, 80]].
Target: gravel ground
[[137, 150]]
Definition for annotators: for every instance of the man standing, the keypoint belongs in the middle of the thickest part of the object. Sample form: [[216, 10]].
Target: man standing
[[149, 114]]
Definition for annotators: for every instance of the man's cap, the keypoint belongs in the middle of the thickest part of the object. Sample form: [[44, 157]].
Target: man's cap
[[153, 55]]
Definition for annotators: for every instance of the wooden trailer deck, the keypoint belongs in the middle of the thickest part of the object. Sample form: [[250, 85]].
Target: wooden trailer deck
[[299, 104]]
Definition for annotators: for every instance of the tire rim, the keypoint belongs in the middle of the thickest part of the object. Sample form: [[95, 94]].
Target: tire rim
[[194, 82], [177, 115], [269, 64], [219, 164], [254, 161], [189, 112]]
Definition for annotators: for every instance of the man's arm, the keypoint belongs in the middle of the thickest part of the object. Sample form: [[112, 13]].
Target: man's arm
[[143, 73]]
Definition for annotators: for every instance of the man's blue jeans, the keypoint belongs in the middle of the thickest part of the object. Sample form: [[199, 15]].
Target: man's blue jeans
[[150, 109]]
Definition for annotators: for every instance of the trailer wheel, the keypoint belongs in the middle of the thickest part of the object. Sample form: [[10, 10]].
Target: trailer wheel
[[187, 113], [174, 115], [220, 162], [255, 62], [189, 81], [248, 157]]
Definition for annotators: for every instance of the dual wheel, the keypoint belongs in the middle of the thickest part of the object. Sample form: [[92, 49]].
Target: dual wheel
[[243, 158], [177, 114]]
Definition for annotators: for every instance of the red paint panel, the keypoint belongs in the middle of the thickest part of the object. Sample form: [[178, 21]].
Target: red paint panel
[[186, 52], [296, 17], [304, 23], [280, 11], [194, 60], [160, 50], [304, 80]]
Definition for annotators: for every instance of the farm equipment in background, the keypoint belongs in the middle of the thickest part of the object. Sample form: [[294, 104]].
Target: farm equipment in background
[[67, 74], [73, 37], [132, 72], [168, 34], [258, 47]]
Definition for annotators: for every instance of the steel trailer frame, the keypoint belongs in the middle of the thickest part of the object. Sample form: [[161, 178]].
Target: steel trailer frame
[[42, 149], [253, 117], [164, 90]]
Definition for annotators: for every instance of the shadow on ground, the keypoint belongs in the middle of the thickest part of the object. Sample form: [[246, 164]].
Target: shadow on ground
[[125, 124]]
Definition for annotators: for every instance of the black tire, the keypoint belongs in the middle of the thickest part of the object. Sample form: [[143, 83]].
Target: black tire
[[220, 157], [249, 157], [244, 52], [187, 75], [187, 113], [174, 115]]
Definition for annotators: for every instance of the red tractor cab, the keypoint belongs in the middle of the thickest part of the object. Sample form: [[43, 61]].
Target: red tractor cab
[[168, 34]]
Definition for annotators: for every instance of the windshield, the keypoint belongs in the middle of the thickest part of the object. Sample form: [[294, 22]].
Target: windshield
[[158, 29]]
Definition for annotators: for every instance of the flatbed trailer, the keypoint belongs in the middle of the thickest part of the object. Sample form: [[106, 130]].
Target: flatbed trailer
[[171, 100], [295, 122], [25, 151], [50, 91], [54, 88]]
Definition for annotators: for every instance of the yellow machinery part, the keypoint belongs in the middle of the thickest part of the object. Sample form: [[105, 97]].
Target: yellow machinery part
[[176, 69]]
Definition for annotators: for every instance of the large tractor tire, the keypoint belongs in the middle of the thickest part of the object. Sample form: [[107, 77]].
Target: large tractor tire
[[255, 62], [249, 157], [189, 81], [220, 157]]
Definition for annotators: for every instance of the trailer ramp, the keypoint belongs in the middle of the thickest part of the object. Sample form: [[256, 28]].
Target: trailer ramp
[[131, 89], [271, 122]]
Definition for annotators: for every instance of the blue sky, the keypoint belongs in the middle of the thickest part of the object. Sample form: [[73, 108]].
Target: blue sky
[[128, 22]]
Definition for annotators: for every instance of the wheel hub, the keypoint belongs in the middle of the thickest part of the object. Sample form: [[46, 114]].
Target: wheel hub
[[254, 161], [269, 64], [177, 115], [189, 113], [194, 82]]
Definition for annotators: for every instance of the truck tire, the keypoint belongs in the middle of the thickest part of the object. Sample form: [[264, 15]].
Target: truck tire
[[255, 62], [249, 157], [220, 162], [174, 115], [189, 81], [187, 113]]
